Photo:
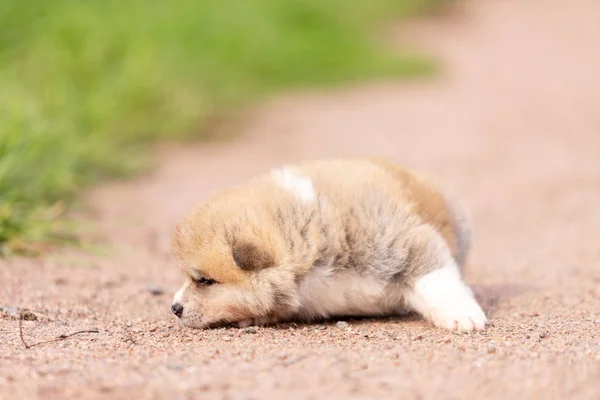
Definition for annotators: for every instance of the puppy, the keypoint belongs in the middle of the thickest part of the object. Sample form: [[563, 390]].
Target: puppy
[[347, 237]]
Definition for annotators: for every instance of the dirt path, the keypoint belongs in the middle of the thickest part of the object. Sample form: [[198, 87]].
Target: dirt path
[[513, 124]]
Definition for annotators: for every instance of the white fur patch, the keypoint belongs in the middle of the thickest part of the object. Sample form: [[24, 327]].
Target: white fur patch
[[442, 297], [178, 298], [300, 186], [322, 295]]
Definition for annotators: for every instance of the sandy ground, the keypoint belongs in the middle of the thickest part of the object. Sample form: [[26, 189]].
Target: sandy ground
[[513, 125]]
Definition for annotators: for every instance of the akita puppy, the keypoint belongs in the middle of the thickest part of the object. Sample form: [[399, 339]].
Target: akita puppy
[[321, 239]]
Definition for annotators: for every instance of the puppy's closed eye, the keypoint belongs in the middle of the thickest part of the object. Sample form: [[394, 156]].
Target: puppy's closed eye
[[204, 281]]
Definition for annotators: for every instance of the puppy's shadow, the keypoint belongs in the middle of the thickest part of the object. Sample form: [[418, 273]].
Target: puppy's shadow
[[491, 297]]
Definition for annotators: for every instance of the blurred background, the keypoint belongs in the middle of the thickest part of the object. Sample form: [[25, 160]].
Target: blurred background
[[117, 116], [86, 86]]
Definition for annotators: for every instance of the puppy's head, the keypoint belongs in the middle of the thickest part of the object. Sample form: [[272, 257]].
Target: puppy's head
[[232, 260]]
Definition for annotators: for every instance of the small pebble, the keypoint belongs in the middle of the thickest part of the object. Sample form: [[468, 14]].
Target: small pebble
[[543, 335], [491, 348], [250, 330], [342, 325], [291, 360], [28, 316], [227, 338], [155, 290]]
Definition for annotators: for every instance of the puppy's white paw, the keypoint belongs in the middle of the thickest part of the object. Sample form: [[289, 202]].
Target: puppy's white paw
[[245, 323], [444, 299], [464, 315], [260, 321]]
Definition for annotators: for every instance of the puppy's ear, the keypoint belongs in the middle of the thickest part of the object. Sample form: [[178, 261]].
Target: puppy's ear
[[250, 257]]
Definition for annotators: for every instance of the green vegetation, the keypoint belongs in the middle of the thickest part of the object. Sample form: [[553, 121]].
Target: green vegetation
[[86, 86]]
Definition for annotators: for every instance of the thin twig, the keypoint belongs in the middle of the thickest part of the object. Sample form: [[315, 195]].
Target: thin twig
[[57, 339], [64, 336], [21, 331]]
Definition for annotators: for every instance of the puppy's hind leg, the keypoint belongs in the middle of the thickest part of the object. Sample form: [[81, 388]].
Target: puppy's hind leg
[[436, 289]]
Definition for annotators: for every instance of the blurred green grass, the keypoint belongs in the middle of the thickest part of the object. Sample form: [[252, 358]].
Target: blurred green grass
[[87, 86]]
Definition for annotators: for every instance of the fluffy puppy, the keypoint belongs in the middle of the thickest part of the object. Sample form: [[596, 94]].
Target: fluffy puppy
[[348, 237]]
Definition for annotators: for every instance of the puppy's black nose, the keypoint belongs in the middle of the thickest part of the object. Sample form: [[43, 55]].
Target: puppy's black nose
[[177, 309]]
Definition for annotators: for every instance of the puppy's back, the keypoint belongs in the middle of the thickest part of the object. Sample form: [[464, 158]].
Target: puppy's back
[[379, 180], [435, 208]]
